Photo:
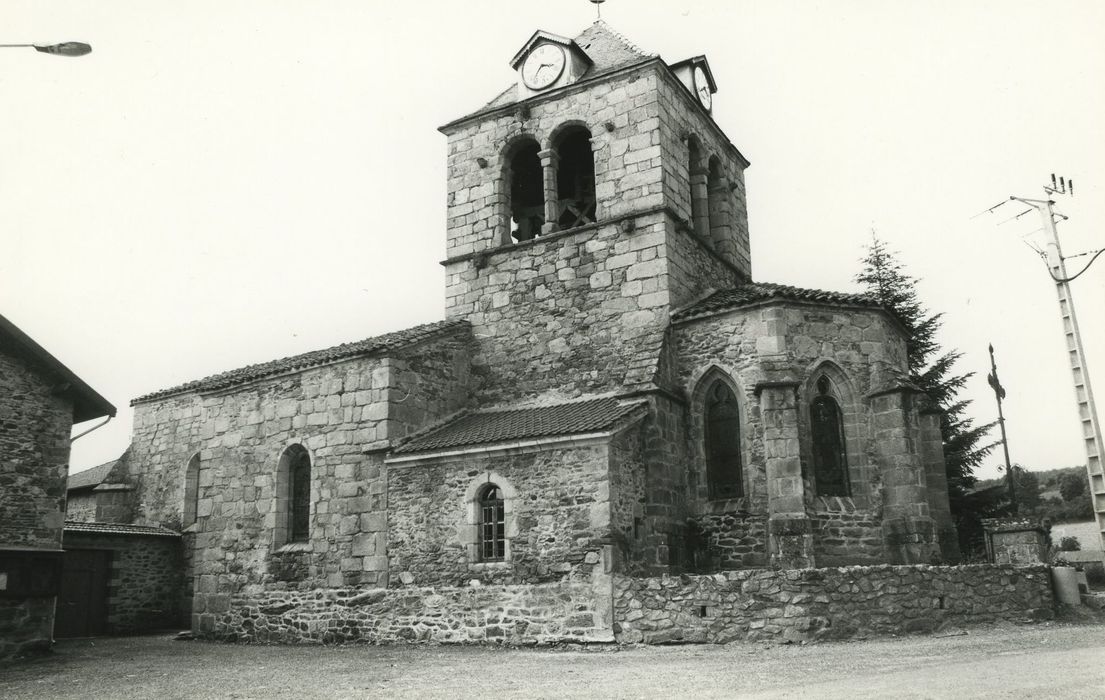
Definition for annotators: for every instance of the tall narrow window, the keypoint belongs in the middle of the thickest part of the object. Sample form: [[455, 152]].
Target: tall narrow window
[[717, 192], [830, 461], [299, 496], [575, 178], [723, 453], [191, 491], [527, 192], [492, 525]]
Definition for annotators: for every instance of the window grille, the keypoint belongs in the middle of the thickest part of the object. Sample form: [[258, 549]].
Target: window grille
[[830, 460], [300, 469], [492, 524], [723, 453]]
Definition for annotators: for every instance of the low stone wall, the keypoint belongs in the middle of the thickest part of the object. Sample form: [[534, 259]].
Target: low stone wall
[[816, 604], [516, 614]]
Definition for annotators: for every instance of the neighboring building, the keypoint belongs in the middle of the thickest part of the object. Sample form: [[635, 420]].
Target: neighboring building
[[98, 494], [40, 401], [610, 396]]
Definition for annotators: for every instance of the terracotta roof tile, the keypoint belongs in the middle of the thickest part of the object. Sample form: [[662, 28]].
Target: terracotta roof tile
[[378, 345], [504, 425], [761, 291], [91, 477], [119, 529]]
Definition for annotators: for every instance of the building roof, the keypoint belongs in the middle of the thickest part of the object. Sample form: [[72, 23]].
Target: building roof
[[87, 404], [754, 292], [118, 529], [375, 346], [511, 424], [607, 49], [91, 478]]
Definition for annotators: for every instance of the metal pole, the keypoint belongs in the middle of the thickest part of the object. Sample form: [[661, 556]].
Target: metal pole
[[1083, 393], [999, 394]]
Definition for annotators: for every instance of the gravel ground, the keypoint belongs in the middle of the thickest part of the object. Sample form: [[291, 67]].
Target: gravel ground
[[1039, 661]]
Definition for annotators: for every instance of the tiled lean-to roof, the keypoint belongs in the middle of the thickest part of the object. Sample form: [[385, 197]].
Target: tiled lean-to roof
[[378, 345], [91, 477], [755, 292], [507, 425], [119, 529]]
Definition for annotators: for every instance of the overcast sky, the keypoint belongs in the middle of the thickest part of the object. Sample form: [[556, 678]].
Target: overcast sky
[[223, 183]]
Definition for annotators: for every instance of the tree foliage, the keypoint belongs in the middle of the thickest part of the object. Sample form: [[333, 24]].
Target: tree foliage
[[1071, 486], [933, 370]]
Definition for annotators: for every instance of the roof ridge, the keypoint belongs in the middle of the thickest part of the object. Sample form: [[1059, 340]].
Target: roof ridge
[[619, 36], [311, 358]]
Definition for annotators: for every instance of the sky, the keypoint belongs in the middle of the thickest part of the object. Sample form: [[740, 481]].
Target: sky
[[224, 183]]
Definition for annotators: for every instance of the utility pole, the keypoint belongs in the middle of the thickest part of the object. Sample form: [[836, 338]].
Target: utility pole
[[1083, 393], [999, 394]]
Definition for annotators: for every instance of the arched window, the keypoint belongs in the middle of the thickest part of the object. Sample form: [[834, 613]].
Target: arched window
[[191, 491], [293, 494], [723, 444], [492, 524], [527, 191], [830, 459], [575, 178]]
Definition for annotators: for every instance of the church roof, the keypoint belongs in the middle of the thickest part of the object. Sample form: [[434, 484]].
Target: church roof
[[375, 346], [91, 477], [118, 529], [607, 49], [755, 292], [511, 424]]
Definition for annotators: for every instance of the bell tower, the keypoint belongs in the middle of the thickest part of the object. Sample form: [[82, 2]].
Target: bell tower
[[585, 202]]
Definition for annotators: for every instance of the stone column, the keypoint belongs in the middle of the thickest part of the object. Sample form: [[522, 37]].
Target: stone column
[[790, 532], [550, 163], [909, 531], [932, 454], [721, 217]]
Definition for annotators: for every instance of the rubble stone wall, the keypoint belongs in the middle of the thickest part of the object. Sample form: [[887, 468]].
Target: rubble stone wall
[[557, 516], [34, 464], [820, 604], [510, 614]]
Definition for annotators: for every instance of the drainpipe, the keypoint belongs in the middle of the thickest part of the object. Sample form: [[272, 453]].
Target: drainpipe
[[95, 427]]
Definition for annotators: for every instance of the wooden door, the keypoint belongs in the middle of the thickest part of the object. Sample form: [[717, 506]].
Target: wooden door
[[82, 602]]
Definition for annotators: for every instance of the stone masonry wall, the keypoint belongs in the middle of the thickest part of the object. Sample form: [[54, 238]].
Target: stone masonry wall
[[793, 341], [81, 506], [821, 604], [563, 315], [146, 577], [34, 456], [34, 465], [512, 614], [557, 523], [335, 412]]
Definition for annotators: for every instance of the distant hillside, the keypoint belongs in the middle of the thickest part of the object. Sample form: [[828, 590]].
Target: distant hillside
[[1039, 495]]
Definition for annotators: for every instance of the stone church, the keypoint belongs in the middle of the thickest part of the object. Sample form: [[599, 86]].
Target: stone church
[[611, 398]]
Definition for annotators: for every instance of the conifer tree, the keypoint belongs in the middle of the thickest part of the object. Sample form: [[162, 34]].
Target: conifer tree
[[932, 369]]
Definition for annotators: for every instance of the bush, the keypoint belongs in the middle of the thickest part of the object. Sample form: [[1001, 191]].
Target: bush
[[1069, 544]]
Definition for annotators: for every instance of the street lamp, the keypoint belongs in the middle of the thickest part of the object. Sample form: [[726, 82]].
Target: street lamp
[[67, 48]]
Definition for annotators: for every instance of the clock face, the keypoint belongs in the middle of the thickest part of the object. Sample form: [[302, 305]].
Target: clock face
[[543, 66], [702, 88]]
